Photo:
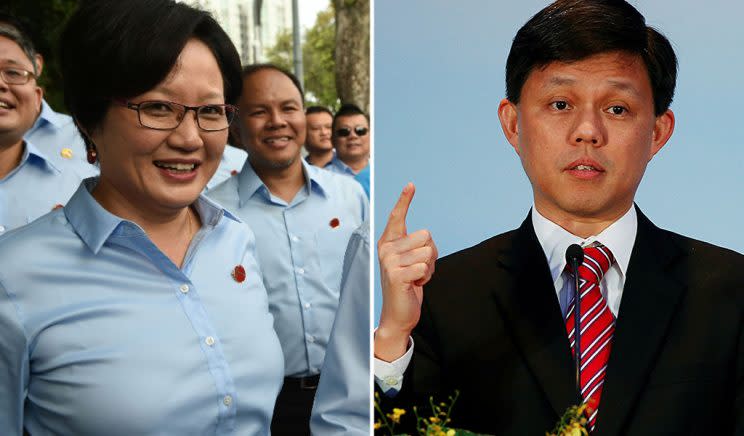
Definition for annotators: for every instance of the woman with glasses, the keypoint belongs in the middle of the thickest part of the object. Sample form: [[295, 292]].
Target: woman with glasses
[[138, 308]]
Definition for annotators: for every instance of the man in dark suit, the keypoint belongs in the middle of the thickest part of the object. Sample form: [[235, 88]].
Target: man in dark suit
[[662, 331]]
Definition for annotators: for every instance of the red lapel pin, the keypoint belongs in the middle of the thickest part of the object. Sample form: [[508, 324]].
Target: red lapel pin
[[334, 223], [238, 273], [234, 172], [57, 206]]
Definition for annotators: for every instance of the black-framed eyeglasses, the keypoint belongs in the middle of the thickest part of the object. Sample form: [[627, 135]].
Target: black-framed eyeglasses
[[16, 76], [167, 115], [345, 131]]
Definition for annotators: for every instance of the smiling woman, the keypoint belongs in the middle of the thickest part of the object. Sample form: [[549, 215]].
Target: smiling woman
[[128, 295]]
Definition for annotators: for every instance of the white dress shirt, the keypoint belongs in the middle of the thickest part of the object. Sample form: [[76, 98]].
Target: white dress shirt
[[619, 237]]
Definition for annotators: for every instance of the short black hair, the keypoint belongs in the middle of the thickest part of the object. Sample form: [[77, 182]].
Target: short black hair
[[114, 49], [13, 29], [572, 30], [347, 110], [317, 110], [254, 68]]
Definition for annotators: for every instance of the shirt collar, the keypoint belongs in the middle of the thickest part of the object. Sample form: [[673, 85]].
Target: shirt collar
[[95, 225], [338, 163], [48, 115], [31, 152], [249, 182], [619, 237]]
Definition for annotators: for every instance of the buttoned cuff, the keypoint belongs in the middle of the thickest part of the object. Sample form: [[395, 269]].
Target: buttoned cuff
[[389, 375]]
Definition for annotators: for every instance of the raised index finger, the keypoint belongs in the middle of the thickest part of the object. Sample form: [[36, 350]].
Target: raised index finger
[[396, 224]]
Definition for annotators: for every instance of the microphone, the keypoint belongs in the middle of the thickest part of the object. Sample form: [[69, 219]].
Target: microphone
[[574, 257]]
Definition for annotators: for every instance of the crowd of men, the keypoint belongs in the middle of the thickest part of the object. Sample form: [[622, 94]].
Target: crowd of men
[[302, 211]]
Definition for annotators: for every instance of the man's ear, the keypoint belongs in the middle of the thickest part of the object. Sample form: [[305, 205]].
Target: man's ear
[[508, 116], [39, 61], [663, 129]]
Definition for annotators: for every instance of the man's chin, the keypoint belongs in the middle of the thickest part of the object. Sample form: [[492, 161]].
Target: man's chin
[[272, 164]]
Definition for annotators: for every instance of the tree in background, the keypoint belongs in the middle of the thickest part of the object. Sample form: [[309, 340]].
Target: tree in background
[[352, 51], [44, 20], [318, 57]]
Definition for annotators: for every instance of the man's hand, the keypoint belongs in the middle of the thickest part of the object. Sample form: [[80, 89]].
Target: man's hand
[[406, 264]]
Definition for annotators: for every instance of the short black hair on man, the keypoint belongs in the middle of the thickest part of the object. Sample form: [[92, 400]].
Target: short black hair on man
[[114, 49], [317, 110], [13, 29], [572, 30], [254, 68], [347, 110]]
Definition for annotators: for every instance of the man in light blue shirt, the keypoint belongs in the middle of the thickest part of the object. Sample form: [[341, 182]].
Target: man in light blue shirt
[[55, 135], [342, 402], [351, 140], [103, 334], [303, 217], [32, 182]]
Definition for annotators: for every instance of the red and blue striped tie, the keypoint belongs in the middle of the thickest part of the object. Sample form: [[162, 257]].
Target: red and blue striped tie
[[597, 327]]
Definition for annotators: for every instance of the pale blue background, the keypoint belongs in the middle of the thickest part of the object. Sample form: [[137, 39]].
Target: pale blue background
[[439, 76]]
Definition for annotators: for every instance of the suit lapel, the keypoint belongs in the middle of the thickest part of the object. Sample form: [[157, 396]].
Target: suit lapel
[[527, 301], [650, 296]]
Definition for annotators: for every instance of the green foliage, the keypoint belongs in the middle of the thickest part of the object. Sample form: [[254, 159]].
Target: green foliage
[[45, 19], [280, 54], [318, 58]]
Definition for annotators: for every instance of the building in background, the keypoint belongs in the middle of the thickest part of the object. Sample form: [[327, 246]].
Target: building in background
[[253, 25]]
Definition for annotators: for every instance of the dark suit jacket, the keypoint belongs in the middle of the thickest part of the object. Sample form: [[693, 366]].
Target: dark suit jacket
[[491, 327]]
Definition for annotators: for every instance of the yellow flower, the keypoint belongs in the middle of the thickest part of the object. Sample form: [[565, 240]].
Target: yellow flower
[[378, 424], [434, 419], [66, 153], [450, 432]]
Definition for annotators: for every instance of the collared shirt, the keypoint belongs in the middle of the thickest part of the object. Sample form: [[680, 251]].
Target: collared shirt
[[35, 187], [55, 135], [300, 247], [341, 405], [336, 165], [231, 162], [103, 334], [619, 237], [308, 160]]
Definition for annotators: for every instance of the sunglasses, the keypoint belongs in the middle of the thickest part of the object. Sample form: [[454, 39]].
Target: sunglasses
[[345, 131]]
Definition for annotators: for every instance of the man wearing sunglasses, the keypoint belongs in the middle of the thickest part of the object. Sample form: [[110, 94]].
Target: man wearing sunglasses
[[351, 141]]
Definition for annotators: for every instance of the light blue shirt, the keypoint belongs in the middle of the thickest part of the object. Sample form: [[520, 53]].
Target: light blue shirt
[[336, 165], [55, 135], [103, 334], [36, 186], [341, 404], [230, 164], [363, 178], [300, 246]]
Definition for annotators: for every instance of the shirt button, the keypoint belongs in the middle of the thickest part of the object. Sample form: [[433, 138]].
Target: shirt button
[[300, 270], [310, 339], [227, 400], [209, 341], [294, 238], [391, 381], [2, 228], [184, 288], [307, 305]]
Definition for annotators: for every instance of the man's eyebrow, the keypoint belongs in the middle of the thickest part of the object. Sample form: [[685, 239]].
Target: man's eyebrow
[[624, 86], [557, 81], [620, 85]]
